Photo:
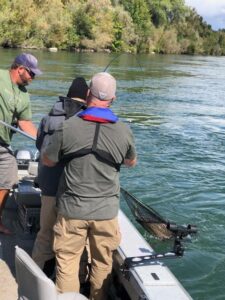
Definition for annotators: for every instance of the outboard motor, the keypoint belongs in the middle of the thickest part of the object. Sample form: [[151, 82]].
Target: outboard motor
[[23, 157]]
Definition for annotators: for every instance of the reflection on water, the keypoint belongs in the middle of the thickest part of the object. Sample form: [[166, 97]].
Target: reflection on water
[[142, 119], [175, 107]]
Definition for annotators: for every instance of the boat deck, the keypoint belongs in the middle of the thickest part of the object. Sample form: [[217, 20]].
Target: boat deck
[[152, 281], [7, 250], [6, 281]]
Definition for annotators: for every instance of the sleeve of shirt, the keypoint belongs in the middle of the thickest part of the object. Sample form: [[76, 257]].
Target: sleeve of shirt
[[53, 148], [40, 134], [25, 114], [131, 152]]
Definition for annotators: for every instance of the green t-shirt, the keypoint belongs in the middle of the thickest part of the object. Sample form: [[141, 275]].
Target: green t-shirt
[[14, 105]]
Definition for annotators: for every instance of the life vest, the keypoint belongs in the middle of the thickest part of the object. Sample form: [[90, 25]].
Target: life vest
[[99, 116]]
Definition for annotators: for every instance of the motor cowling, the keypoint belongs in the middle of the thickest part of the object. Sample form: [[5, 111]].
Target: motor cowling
[[23, 157]]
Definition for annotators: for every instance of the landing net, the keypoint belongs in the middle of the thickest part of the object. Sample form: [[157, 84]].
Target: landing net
[[147, 216]]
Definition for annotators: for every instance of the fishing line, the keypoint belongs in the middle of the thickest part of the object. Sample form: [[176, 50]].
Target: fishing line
[[139, 65]]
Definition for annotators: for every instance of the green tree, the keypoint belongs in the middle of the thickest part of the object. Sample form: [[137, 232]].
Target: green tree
[[16, 19], [168, 44], [159, 9], [165, 12], [141, 17], [52, 24], [162, 26], [221, 40], [99, 27], [124, 31]]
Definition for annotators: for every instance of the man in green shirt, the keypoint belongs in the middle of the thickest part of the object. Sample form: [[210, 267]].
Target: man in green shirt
[[93, 144], [14, 110]]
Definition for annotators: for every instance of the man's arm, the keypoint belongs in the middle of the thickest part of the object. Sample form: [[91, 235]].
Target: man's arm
[[40, 135], [28, 127], [130, 162], [130, 159]]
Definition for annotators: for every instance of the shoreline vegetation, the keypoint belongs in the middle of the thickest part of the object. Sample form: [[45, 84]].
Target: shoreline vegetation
[[131, 26]]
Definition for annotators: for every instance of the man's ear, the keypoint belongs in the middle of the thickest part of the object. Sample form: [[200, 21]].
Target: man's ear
[[20, 70], [88, 96]]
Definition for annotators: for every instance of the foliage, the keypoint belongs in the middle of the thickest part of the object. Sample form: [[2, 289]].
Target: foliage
[[100, 35], [141, 17], [161, 26], [51, 24], [124, 31], [168, 43], [166, 12], [16, 19]]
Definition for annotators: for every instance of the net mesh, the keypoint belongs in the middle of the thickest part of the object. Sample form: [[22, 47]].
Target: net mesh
[[147, 216]]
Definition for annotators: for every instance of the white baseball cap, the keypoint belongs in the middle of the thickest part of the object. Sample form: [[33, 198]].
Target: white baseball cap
[[103, 86]]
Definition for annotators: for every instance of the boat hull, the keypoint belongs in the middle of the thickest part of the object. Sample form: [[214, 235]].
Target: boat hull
[[149, 281]]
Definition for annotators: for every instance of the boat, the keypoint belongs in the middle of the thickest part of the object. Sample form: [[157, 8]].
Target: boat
[[138, 273]]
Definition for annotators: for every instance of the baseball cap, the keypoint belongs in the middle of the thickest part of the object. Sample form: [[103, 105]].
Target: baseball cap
[[103, 86], [78, 88], [28, 61]]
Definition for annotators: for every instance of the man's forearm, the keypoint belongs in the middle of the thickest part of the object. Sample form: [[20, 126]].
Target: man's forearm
[[28, 127]]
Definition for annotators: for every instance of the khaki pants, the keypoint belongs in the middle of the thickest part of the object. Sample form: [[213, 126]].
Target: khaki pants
[[42, 250], [69, 242]]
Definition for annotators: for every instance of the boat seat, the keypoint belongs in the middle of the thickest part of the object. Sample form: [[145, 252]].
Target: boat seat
[[27, 194], [33, 284]]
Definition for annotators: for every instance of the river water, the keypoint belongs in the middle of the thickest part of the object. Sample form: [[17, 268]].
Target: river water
[[176, 109]]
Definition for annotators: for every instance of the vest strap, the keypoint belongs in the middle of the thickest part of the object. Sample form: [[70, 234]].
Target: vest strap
[[101, 155]]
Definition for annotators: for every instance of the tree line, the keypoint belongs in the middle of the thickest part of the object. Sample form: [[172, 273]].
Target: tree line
[[136, 26]]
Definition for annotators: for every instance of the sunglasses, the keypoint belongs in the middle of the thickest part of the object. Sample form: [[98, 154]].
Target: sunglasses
[[32, 75]]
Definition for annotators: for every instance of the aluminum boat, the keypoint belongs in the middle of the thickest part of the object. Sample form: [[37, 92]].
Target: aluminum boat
[[135, 276]]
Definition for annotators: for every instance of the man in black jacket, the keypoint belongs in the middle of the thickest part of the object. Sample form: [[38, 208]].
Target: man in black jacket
[[48, 178]]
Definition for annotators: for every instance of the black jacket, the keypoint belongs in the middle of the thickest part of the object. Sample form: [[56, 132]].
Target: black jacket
[[48, 178]]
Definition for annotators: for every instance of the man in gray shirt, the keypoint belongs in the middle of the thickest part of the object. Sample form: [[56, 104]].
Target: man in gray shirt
[[93, 145]]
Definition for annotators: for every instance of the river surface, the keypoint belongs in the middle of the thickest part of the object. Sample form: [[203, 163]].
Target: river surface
[[175, 106]]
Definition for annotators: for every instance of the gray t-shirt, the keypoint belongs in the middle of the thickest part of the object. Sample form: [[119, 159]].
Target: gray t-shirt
[[89, 188]]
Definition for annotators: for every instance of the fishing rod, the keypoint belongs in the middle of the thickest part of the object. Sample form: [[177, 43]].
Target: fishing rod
[[114, 58], [17, 130]]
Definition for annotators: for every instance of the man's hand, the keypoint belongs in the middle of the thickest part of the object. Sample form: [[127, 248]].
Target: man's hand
[[130, 162], [46, 161]]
